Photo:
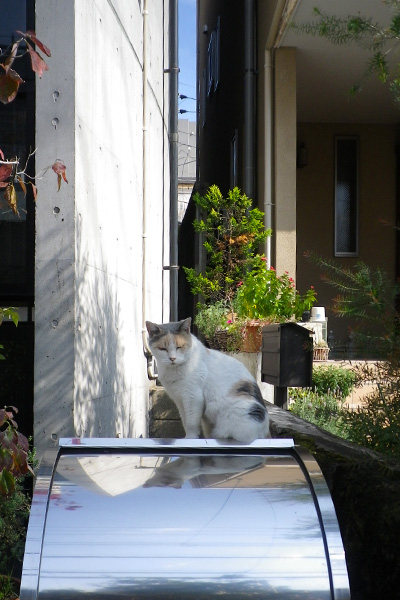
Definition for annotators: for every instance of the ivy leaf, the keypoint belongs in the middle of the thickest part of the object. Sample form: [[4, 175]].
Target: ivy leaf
[[9, 84]]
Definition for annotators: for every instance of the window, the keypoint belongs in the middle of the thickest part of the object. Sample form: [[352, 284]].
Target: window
[[346, 196], [213, 59], [234, 160]]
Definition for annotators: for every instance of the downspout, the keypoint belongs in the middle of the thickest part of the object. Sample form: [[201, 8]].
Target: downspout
[[146, 349], [173, 149], [249, 99], [268, 149]]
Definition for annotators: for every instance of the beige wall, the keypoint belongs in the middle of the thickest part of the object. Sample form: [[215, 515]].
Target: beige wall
[[285, 161], [315, 204]]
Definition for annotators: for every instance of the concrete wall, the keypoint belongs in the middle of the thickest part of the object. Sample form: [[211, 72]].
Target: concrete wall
[[111, 219]]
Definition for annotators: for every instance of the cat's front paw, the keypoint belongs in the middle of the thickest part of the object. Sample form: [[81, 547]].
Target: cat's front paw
[[192, 435]]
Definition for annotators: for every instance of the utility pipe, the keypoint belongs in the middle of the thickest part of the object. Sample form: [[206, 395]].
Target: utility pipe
[[268, 149], [249, 99], [173, 149]]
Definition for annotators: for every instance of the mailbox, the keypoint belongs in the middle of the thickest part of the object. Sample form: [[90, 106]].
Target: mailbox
[[287, 355]]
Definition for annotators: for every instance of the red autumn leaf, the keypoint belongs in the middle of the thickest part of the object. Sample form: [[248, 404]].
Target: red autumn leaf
[[59, 169], [38, 64], [5, 172], [34, 190], [32, 36], [9, 84]]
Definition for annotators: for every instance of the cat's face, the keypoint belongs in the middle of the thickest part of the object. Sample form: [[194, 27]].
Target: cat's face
[[170, 342]]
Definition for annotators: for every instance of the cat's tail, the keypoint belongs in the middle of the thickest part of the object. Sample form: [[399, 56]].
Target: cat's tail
[[247, 419]]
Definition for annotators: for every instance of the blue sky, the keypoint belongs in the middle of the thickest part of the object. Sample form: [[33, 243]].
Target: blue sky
[[187, 56]]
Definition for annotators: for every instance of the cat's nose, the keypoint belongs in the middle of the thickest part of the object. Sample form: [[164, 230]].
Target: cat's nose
[[172, 359]]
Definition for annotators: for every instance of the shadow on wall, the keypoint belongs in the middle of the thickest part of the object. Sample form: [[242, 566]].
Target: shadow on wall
[[103, 381]]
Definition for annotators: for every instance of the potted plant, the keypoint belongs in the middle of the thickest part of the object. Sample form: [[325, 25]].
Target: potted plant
[[266, 297]]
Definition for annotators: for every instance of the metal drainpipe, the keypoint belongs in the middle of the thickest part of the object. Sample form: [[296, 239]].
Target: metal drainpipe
[[268, 150], [147, 352], [249, 100], [173, 148]]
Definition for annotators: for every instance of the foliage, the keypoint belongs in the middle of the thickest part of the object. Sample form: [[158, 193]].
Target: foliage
[[376, 424], [14, 512], [8, 313], [333, 379], [9, 79], [322, 409], [369, 297], [265, 295], [382, 42], [232, 232], [213, 320], [11, 172], [14, 448]]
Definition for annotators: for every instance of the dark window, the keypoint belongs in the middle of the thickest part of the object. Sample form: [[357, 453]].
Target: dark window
[[346, 196], [17, 140]]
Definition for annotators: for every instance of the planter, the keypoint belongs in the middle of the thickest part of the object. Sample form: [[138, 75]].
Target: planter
[[219, 341], [320, 354], [252, 339]]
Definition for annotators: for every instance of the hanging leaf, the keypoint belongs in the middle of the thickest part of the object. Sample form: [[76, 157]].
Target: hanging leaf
[[38, 64], [9, 84], [32, 36], [34, 190], [22, 184], [59, 169], [5, 172], [7, 59], [11, 196]]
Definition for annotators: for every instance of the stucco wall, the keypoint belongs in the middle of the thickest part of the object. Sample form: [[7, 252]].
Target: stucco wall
[[315, 204], [90, 369]]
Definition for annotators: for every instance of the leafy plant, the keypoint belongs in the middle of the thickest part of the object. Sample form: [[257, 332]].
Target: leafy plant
[[265, 295], [334, 380], [322, 409], [11, 172], [9, 79], [14, 448], [376, 424], [382, 42], [232, 232], [369, 297]]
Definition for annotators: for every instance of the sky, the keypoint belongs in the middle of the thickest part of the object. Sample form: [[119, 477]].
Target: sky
[[187, 57]]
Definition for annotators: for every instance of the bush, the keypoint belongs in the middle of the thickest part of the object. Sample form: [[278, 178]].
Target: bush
[[376, 424], [324, 410], [336, 380]]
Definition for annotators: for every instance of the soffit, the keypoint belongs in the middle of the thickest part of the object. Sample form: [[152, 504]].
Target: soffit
[[326, 72]]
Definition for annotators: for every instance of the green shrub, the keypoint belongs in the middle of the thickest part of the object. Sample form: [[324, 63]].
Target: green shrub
[[14, 512], [339, 381], [324, 410]]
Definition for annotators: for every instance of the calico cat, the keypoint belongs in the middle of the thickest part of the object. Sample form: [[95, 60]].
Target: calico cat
[[214, 392]]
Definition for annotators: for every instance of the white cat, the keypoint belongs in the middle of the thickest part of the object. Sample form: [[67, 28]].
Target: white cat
[[213, 392]]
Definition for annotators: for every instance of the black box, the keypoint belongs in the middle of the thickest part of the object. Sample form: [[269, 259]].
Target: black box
[[287, 355]]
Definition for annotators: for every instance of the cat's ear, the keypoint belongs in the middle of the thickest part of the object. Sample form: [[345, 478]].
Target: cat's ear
[[152, 328], [184, 325]]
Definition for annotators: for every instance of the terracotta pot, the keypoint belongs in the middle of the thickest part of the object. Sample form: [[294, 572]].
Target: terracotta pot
[[252, 339]]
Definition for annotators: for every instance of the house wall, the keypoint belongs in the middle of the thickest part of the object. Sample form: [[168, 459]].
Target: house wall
[[90, 369], [315, 205], [214, 138]]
